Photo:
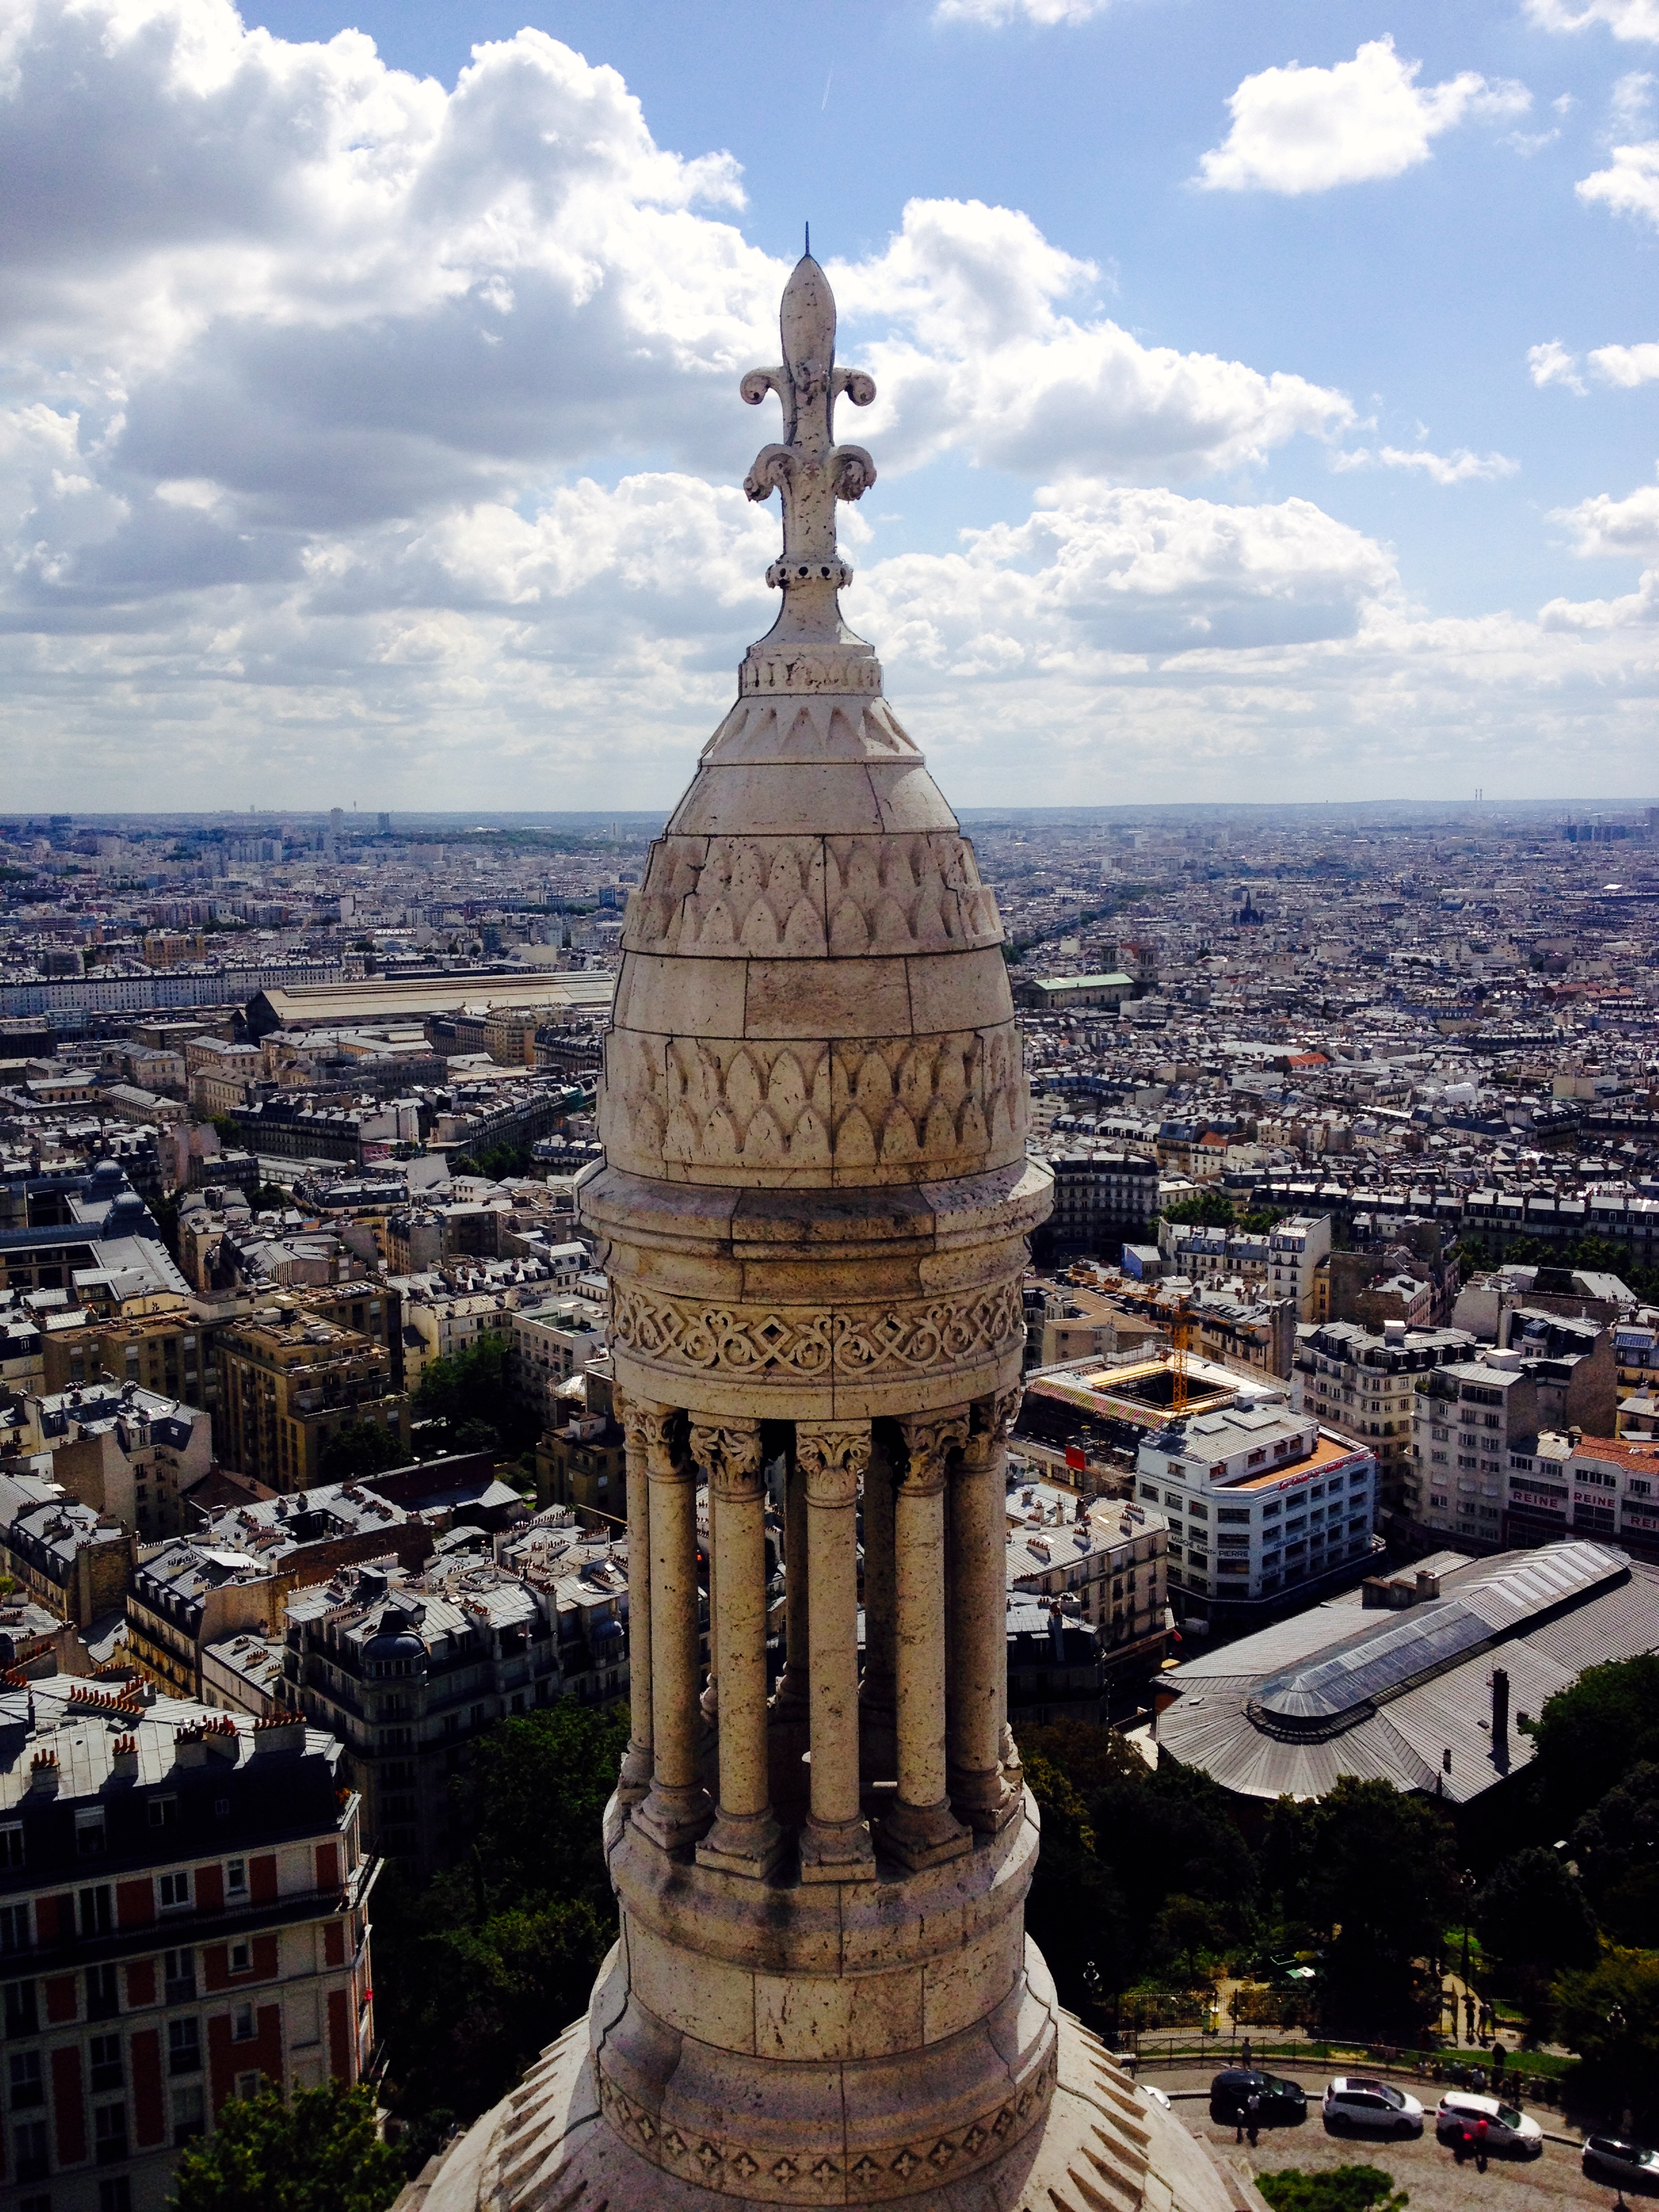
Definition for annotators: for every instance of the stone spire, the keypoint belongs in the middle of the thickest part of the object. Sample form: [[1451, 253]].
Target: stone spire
[[814, 1209], [809, 469]]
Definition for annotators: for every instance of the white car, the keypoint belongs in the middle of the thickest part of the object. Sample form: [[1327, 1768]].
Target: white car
[[1360, 2102], [1510, 2132]]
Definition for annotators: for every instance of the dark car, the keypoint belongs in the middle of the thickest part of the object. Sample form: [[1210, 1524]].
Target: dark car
[[1608, 2158], [1284, 2104]]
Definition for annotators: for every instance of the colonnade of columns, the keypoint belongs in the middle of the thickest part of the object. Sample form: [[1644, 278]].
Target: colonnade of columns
[[926, 1722]]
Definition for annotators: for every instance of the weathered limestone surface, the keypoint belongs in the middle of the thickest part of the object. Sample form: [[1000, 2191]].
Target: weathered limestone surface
[[814, 1208]]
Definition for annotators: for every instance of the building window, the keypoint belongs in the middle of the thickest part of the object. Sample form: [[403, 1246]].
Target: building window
[[23, 2014], [104, 2056], [184, 2047], [103, 1993], [189, 2118], [115, 2196], [241, 1959], [14, 1927], [29, 2144], [11, 1843], [109, 2130], [179, 1974], [90, 1836], [163, 1812], [242, 2028], [175, 1891], [96, 1916], [27, 2085], [236, 1878]]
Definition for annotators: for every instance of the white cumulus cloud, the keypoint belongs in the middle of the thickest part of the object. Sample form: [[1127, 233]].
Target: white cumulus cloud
[[1306, 129], [1551, 363], [1459, 467], [1631, 184], [1627, 366], [1603, 525], [995, 13], [1626, 19], [980, 356]]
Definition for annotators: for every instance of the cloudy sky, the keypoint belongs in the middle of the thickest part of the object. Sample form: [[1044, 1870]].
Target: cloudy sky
[[1268, 396]]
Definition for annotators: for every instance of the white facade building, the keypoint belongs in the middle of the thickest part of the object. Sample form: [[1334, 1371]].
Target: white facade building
[[1260, 1501]]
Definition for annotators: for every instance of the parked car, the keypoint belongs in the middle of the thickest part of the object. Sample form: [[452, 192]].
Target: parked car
[[1358, 2101], [1284, 2104], [1608, 2158], [1159, 2097], [1511, 2132]]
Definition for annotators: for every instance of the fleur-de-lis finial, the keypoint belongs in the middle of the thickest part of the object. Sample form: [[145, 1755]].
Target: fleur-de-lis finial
[[808, 468]]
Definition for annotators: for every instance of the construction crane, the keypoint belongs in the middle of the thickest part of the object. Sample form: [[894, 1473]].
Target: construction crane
[[1180, 1339]]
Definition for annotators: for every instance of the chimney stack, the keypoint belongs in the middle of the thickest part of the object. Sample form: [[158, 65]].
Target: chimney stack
[[1500, 1716]]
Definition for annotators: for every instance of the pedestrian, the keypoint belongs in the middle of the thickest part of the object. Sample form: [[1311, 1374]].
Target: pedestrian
[[1463, 2146], [1252, 2116], [1245, 2059], [1480, 2144]]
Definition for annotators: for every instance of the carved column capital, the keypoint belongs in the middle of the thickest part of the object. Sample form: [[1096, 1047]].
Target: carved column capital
[[994, 1420], [929, 1440], [731, 1451], [833, 1456], [658, 1432]]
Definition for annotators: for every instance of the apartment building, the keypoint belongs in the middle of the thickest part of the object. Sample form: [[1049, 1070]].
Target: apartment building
[[184, 1917], [1364, 1381], [291, 1381], [1102, 1199], [1486, 1439], [69, 1558], [579, 1460], [1296, 1247], [1102, 1562], [130, 1455], [1267, 1510], [161, 1352], [551, 1342], [408, 1672]]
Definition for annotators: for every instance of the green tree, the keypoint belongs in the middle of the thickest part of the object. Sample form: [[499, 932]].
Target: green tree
[[315, 2151], [1186, 1926], [483, 1966], [1591, 1734], [271, 1197], [361, 1447], [1534, 1921], [1375, 1869], [1207, 1207], [1337, 2189], [1609, 2013], [469, 1394], [1615, 1847]]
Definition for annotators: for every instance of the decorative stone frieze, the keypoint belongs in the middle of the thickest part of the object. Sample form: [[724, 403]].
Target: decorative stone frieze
[[803, 1345]]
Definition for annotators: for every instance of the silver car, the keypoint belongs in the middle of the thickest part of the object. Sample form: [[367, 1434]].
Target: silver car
[[1362, 2103], [1510, 2132]]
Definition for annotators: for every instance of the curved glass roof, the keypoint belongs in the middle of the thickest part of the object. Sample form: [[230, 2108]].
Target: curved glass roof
[[1401, 1648]]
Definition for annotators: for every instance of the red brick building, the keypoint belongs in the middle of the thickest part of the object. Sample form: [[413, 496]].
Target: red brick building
[[183, 1918]]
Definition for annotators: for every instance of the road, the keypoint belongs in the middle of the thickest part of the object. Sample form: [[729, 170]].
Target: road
[[1420, 2166]]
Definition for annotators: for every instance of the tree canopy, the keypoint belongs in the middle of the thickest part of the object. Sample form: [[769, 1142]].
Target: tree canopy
[[1337, 2189], [316, 2150], [1592, 1734], [361, 1447], [482, 1968], [469, 1394], [1615, 1847], [1207, 1207]]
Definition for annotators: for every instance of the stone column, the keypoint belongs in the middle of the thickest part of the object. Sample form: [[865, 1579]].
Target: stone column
[[677, 1810], [979, 1674], [745, 1838], [641, 1424], [835, 1844], [877, 1690], [922, 1830]]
